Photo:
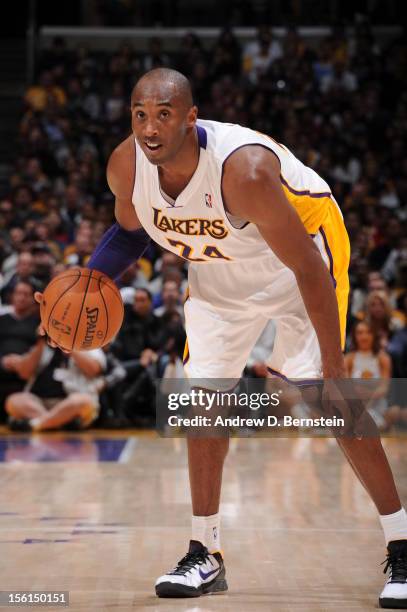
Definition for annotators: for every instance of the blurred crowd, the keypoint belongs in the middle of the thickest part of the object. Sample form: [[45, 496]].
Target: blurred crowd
[[339, 105], [178, 13]]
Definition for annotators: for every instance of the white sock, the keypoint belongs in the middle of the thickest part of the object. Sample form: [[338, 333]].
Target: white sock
[[35, 422], [206, 529], [394, 525]]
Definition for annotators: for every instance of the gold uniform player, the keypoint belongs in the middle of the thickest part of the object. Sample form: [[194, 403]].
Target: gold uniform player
[[265, 240]]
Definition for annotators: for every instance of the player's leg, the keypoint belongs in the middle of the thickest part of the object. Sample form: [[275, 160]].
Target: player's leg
[[24, 405], [296, 356], [367, 456], [219, 343], [206, 457], [76, 406], [370, 464]]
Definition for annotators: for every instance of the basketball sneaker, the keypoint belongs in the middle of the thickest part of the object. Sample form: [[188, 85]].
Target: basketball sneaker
[[394, 594], [198, 573]]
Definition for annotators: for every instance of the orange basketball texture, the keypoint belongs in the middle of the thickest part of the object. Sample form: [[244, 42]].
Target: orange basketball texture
[[81, 309]]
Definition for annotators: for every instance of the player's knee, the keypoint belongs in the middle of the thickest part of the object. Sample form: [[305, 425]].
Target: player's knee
[[83, 404], [13, 403], [78, 400]]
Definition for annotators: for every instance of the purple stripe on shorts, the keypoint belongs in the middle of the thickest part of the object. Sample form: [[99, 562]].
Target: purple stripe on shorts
[[298, 383], [328, 252]]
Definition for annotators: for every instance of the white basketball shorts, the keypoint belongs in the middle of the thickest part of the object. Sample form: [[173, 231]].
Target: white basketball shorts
[[228, 306]]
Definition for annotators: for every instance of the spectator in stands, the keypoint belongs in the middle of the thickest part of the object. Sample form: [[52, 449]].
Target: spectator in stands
[[137, 345], [365, 283], [260, 54], [133, 278], [140, 331], [44, 262], [42, 232], [72, 202], [38, 96], [338, 81], [397, 346], [60, 389], [395, 262], [18, 333], [368, 361], [168, 267], [35, 176], [77, 254], [15, 240], [379, 317], [111, 387], [115, 104], [392, 234], [171, 300], [169, 364], [24, 270]]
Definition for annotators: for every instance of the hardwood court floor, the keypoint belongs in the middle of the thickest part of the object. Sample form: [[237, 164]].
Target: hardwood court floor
[[102, 515]]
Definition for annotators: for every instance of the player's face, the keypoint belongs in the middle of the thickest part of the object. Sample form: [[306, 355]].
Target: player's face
[[160, 125]]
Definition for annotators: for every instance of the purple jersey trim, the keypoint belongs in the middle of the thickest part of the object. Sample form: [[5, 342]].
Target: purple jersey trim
[[202, 136], [324, 194]]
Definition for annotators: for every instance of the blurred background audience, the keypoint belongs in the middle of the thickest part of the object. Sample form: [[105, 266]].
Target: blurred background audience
[[340, 106]]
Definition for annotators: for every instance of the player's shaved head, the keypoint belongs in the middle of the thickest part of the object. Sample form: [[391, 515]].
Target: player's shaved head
[[163, 115], [164, 85]]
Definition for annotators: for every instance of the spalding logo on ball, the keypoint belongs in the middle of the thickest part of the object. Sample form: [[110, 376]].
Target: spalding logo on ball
[[81, 309]]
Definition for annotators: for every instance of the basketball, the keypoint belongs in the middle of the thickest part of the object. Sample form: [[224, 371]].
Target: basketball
[[81, 309]]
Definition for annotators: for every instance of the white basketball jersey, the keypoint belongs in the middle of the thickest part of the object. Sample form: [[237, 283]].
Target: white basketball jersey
[[195, 225]]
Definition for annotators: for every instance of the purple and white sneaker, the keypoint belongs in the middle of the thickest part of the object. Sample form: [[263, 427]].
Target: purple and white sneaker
[[198, 573]]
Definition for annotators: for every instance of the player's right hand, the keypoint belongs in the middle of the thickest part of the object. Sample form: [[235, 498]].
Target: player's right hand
[[340, 398], [41, 329]]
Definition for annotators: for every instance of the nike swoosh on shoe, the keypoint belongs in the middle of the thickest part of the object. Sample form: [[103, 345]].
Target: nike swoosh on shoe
[[204, 575]]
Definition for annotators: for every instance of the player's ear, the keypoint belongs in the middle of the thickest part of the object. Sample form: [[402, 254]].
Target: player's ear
[[192, 116]]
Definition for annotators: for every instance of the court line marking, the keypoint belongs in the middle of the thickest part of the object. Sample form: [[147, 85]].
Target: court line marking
[[127, 450]]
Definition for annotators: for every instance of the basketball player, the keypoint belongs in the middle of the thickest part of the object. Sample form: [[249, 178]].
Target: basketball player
[[265, 240]]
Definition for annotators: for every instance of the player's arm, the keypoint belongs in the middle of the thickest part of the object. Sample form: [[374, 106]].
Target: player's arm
[[90, 366], [126, 240], [121, 173], [252, 191], [26, 365]]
